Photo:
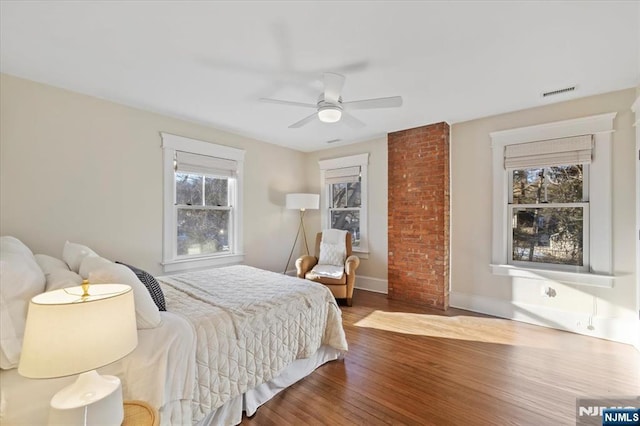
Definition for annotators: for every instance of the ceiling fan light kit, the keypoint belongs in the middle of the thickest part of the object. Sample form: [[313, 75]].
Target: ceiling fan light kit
[[331, 109], [329, 113]]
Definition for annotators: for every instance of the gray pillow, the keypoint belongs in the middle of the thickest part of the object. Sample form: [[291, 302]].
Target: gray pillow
[[152, 285]]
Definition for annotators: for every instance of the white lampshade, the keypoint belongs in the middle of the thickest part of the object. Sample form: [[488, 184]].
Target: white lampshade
[[303, 201], [68, 334], [329, 114]]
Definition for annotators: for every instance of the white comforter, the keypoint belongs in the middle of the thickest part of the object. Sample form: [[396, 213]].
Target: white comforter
[[250, 324]]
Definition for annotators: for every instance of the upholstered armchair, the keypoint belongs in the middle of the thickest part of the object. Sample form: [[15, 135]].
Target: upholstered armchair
[[342, 288]]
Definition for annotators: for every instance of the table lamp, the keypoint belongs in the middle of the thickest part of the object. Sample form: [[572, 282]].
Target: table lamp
[[74, 331], [301, 202]]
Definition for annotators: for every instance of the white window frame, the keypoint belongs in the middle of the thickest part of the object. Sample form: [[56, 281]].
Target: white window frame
[[362, 161], [171, 262], [600, 244]]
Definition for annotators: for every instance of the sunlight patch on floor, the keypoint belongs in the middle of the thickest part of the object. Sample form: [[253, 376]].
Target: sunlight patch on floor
[[477, 329]]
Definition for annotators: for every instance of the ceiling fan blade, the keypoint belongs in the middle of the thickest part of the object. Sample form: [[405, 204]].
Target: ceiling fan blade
[[304, 121], [351, 121], [391, 102], [281, 102], [332, 87]]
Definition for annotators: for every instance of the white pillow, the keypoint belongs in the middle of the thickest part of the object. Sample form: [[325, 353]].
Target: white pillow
[[62, 278], [10, 343], [21, 279], [332, 254], [147, 313], [14, 245], [73, 254], [90, 262], [49, 263]]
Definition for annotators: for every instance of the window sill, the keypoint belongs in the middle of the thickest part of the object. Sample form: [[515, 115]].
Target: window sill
[[360, 254], [576, 278], [202, 262]]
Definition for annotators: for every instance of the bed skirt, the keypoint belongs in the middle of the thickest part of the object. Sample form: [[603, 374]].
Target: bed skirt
[[231, 412]]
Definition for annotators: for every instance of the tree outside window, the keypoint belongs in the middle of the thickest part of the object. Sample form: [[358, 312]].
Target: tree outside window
[[203, 214], [345, 209], [548, 212]]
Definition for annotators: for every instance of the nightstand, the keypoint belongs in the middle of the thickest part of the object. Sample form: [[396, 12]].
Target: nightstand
[[139, 413]]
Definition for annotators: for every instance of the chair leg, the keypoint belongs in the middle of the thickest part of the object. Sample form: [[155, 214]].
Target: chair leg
[[349, 301]]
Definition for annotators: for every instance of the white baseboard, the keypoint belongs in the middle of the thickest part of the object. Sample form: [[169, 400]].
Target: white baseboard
[[617, 329], [376, 285]]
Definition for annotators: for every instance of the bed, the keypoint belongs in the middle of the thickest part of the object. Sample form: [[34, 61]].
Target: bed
[[256, 332], [230, 340]]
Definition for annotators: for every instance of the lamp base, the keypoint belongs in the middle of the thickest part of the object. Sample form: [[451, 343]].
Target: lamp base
[[91, 399]]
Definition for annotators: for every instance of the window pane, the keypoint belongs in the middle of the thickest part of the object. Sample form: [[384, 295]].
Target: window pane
[[548, 235], [202, 231], [188, 189], [557, 184], [215, 190], [347, 220], [346, 194]]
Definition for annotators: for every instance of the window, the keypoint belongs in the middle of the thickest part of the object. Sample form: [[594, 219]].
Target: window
[[549, 215], [552, 201], [202, 203], [343, 199], [203, 213]]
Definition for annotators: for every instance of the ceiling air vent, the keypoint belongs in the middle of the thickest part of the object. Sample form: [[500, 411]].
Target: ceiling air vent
[[559, 91], [334, 140]]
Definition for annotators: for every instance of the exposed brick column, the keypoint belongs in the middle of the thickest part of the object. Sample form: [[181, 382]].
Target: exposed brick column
[[419, 215]]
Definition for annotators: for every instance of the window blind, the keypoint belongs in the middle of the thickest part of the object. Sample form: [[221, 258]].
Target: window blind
[[552, 152], [187, 162], [344, 175]]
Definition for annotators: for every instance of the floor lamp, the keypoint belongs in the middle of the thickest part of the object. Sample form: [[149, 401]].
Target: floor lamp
[[301, 202]]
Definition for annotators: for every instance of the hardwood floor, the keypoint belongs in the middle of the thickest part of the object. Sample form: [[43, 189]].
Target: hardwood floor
[[411, 365]]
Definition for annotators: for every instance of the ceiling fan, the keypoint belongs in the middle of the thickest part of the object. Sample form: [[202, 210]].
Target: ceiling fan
[[330, 108]]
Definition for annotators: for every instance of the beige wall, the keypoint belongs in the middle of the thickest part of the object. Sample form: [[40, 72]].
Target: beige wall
[[84, 169], [80, 168], [376, 265], [471, 204]]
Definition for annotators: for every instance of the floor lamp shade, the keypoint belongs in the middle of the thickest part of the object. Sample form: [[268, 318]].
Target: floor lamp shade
[[303, 201], [67, 333]]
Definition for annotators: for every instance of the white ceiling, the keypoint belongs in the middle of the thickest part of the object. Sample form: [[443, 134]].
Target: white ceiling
[[209, 62]]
